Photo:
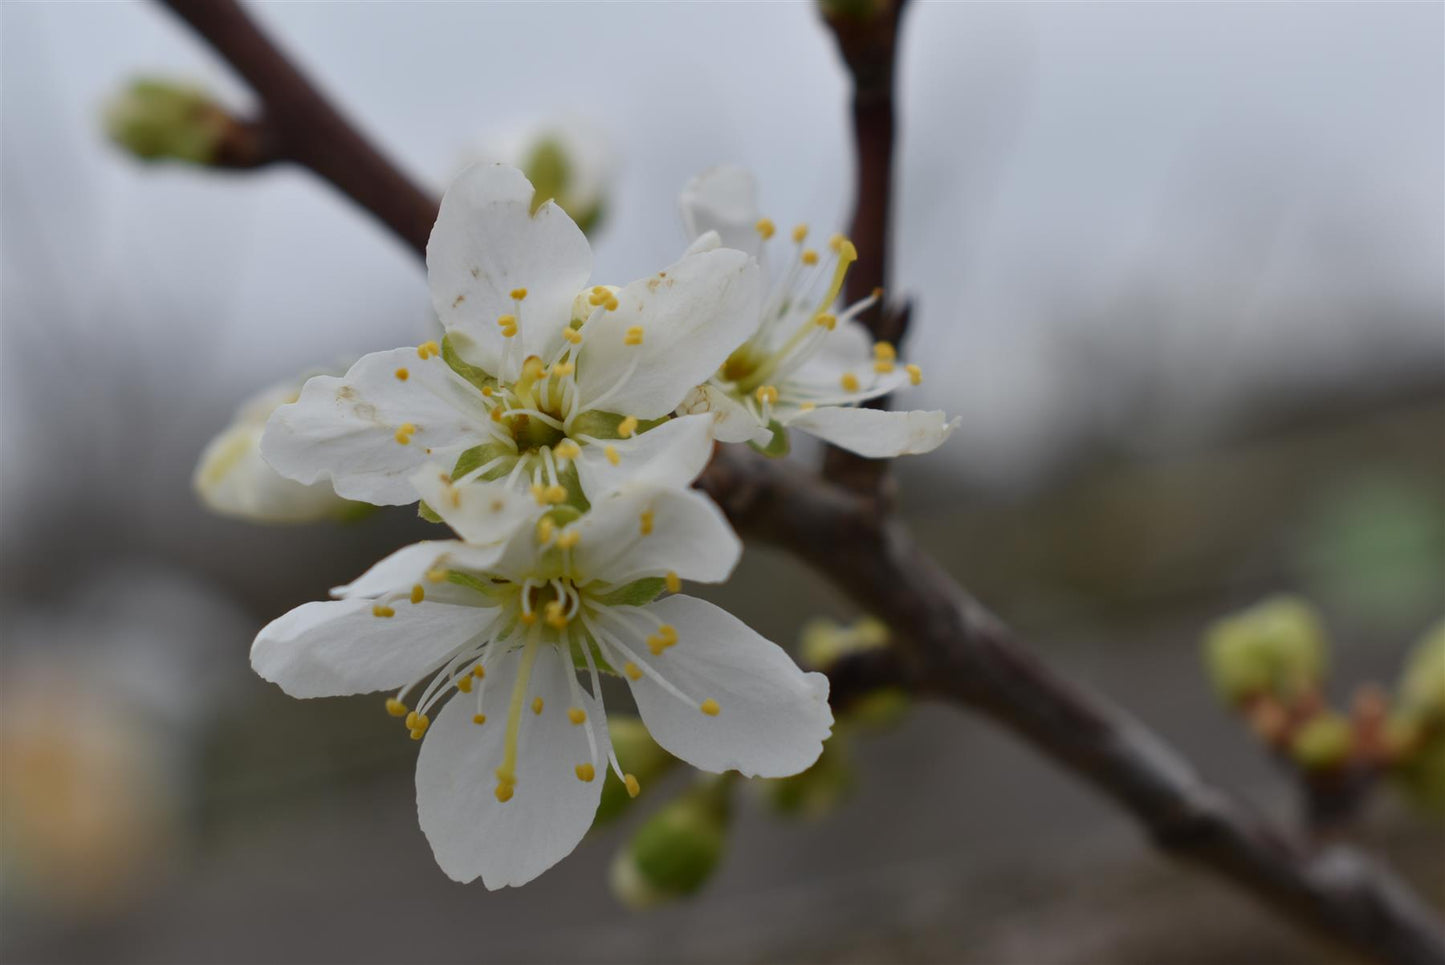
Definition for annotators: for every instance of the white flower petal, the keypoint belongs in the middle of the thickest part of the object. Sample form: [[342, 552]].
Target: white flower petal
[[645, 531], [401, 570], [482, 512], [876, 433], [692, 316], [723, 199], [346, 428], [772, 718], [487, 243], [732, 421], [509, 843], [672, 454], [340, 647]]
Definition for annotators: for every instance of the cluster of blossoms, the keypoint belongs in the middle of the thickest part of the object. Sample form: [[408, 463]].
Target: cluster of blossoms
[[556, 428]]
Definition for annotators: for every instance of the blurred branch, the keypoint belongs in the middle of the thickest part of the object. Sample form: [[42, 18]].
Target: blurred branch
[[867, 37], [303, 127], [951, 647]]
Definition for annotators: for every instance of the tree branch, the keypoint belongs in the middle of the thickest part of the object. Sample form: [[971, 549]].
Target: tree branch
[[951, 648]]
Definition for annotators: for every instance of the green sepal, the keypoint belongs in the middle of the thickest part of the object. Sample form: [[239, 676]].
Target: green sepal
[[466, 370], [778, 446], [603, 425], [479, 456], [637, 593], [427, 513]]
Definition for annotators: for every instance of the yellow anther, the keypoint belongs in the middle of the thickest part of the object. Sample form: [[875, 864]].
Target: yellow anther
[[710, 707], [599, 295], [576, 715], [497, 414], [536, 705], [611, 453], [611, 303], [567, 449], [411, 720], [395, 707], [572, 335], [436, 575], [674, 582], [627, 427], [915, 374], [632, 670], [505, 775], [836, 242], [645, 521], [404, 433], [585, 773], [656, 645], [810, 257], [807, 407], [633, 336], [800, 232], [381, 610], [883, 366], [826, 320], [418, 724], [507, 321], [528, 619], [539, 493], [464, 683], [488, 391], [479, 671], [519, 293], [427, 349], [665, 637], [849, 381], [633, 788], [563, 369], [568, 539], [418, 593], [765, 227], [403, 374], [767, 393], [479, 719], [556, 616], [546, 529], [884, 351], [555, 494], [504, 793]]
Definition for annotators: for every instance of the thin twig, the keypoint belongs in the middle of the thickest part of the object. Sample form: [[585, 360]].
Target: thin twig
[[950, 647]]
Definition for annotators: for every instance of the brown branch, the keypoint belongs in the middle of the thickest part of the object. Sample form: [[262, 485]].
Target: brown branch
[[951, 647]]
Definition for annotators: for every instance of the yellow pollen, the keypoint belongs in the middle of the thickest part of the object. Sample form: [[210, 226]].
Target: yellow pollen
[[807, 407], [403, 374], [555, 494], [479, 719], [464, 683], [381, 610], [883, 366], [611, 303], [418, 725], [569, 539], [710, 707], [633, 788], [528, 619], [585, 773], [504, 793], [632, 670], [765, 227], [519, 293], [767, 393], [611, 453], [884, 351], [404, 432], [665, 637], [633, 336], [546, 529], [539, 493], [536, 705], [556, 617], [563, 369], [427, 349], [599, 295], [497, 414], [674, 582], [836, 242], [479, 671], [488, 391], [572, 335], [915, 374], [567, 449], [576, 715], [810, 257], [826, 320], [799, 233], [627, 427], [418, 593], [411, 720], [645, 519], [507, 321], [437, 575], [395, 707], [849, 381]]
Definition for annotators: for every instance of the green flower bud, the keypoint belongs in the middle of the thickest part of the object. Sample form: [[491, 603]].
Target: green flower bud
[[639, 756], [825, 641], [815, 792], [1275, 647], [1421, 773], [1422, 685], [1324, 742], [675, 852], [158, 119]]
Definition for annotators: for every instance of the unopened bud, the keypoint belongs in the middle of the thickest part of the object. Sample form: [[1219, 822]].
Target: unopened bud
[[1323, 742], [826, 641], [1276, 647], [164, 120], [639, 756], [675, 852], [1422, 685]]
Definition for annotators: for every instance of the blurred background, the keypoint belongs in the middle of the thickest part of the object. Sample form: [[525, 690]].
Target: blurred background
[[1178, 268]]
